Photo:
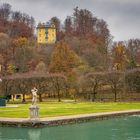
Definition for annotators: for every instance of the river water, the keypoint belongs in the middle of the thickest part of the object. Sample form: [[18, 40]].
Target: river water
[[124, 128]]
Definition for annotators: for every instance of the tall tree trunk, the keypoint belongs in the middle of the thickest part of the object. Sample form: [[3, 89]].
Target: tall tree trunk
[[75, 99], [115, 92], [92, 97], [23, 99], [59, 97], [40, 97], [75, 94]]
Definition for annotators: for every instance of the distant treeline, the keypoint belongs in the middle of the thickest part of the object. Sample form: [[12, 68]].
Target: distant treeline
[[87, 87]]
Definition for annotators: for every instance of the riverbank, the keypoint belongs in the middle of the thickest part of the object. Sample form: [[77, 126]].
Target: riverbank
[[62, 120]]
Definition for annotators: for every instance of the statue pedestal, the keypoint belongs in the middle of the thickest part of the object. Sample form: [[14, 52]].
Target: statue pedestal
[[34, 115]]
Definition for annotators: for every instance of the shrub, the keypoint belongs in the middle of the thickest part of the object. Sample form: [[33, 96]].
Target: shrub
[[132, 80]]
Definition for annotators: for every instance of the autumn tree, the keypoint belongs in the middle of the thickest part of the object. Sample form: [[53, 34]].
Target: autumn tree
[[5, 10], [44, 54], [5, 51], [14, 85], [68, 26], [20, 30], [40, 81], [115, 80], [132, 80], [83, 21], [21, 44], [73, 84], [92, 82], [133, 49], [119, 56], [22, 88], [6, 87], [103, 41], [63, 58], [90, 38], [15, 23], [88, 52], [57, 23], [41, 67], [58, 84]]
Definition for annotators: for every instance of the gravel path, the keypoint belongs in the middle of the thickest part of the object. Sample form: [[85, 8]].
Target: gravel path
[[61, 118]]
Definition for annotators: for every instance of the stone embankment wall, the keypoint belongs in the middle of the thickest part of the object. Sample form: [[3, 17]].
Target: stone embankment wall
[[63, 120]]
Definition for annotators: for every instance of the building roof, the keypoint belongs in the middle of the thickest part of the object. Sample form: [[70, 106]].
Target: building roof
[[45, 25]]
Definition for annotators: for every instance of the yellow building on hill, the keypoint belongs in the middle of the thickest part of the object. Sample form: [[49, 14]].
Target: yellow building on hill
[[46, 33]]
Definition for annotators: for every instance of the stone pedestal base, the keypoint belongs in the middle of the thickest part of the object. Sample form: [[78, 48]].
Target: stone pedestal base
[[34, 115]]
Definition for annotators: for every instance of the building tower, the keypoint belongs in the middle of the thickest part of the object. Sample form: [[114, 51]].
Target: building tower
[[46, 33]]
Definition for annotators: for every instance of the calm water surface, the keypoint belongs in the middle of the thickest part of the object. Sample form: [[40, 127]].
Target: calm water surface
[[127, 128]]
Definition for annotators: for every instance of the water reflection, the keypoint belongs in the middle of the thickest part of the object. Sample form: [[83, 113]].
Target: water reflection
[[113, 129], [13, 133], [34, 134]]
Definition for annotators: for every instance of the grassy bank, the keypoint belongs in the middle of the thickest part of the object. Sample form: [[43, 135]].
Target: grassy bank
[[63, 108]]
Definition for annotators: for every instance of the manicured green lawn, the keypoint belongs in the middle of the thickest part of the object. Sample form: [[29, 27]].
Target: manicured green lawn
[[59, 109]]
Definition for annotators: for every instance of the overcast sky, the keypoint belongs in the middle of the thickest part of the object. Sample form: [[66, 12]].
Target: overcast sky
[[122, 16]]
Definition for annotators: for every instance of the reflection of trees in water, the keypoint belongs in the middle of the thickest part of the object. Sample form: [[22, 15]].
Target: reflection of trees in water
[[13, 133], [34, 134]]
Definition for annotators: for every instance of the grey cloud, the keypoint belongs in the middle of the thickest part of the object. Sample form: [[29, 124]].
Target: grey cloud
[[122, 16]]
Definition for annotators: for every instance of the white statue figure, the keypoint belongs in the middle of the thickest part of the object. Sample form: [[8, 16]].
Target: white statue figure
[[34, 93]]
